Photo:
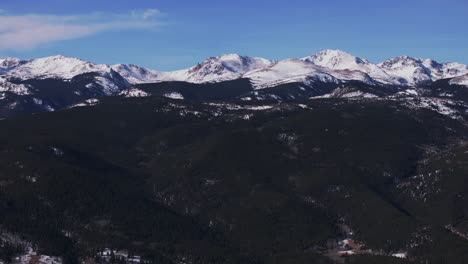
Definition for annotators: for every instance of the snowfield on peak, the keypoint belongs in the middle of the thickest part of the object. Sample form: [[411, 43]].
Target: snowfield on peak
[[240, 64], [55, 67], [339, 60]]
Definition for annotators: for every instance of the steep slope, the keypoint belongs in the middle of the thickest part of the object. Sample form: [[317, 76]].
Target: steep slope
[[135, 74]]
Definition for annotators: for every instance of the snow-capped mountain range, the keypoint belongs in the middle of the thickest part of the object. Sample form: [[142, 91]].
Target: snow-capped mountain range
[[327, 65], [55, 82]]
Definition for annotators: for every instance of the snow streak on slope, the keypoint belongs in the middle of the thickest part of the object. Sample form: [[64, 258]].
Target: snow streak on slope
[[134, 92]]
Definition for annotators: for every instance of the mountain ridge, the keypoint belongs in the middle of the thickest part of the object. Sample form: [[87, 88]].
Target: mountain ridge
[[58, 82], [403, 70]]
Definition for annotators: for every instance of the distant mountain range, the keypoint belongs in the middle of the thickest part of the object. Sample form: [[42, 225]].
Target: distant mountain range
[[57, 82]]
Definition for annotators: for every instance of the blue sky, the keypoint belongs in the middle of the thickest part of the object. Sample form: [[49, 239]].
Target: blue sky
[[176, 34]]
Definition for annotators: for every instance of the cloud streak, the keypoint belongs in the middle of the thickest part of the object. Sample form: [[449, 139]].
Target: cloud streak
[[26, 32]]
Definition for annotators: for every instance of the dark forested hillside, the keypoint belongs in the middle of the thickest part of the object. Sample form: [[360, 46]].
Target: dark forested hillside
[[179, 181]]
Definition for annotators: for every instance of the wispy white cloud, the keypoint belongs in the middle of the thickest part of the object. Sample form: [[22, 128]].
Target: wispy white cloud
[[150, 13], [26, 32]]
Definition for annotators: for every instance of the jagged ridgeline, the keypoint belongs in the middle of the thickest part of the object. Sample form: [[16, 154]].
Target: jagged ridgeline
[[325, 159]]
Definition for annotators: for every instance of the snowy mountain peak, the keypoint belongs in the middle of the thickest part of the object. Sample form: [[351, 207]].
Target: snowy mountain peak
[[397, 61], [340, 60], [335, 59], [56, 67], [238, 63], [227, 57], [220, 68], [407, 61], [60, 59], [10, 62], [412, 71]]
